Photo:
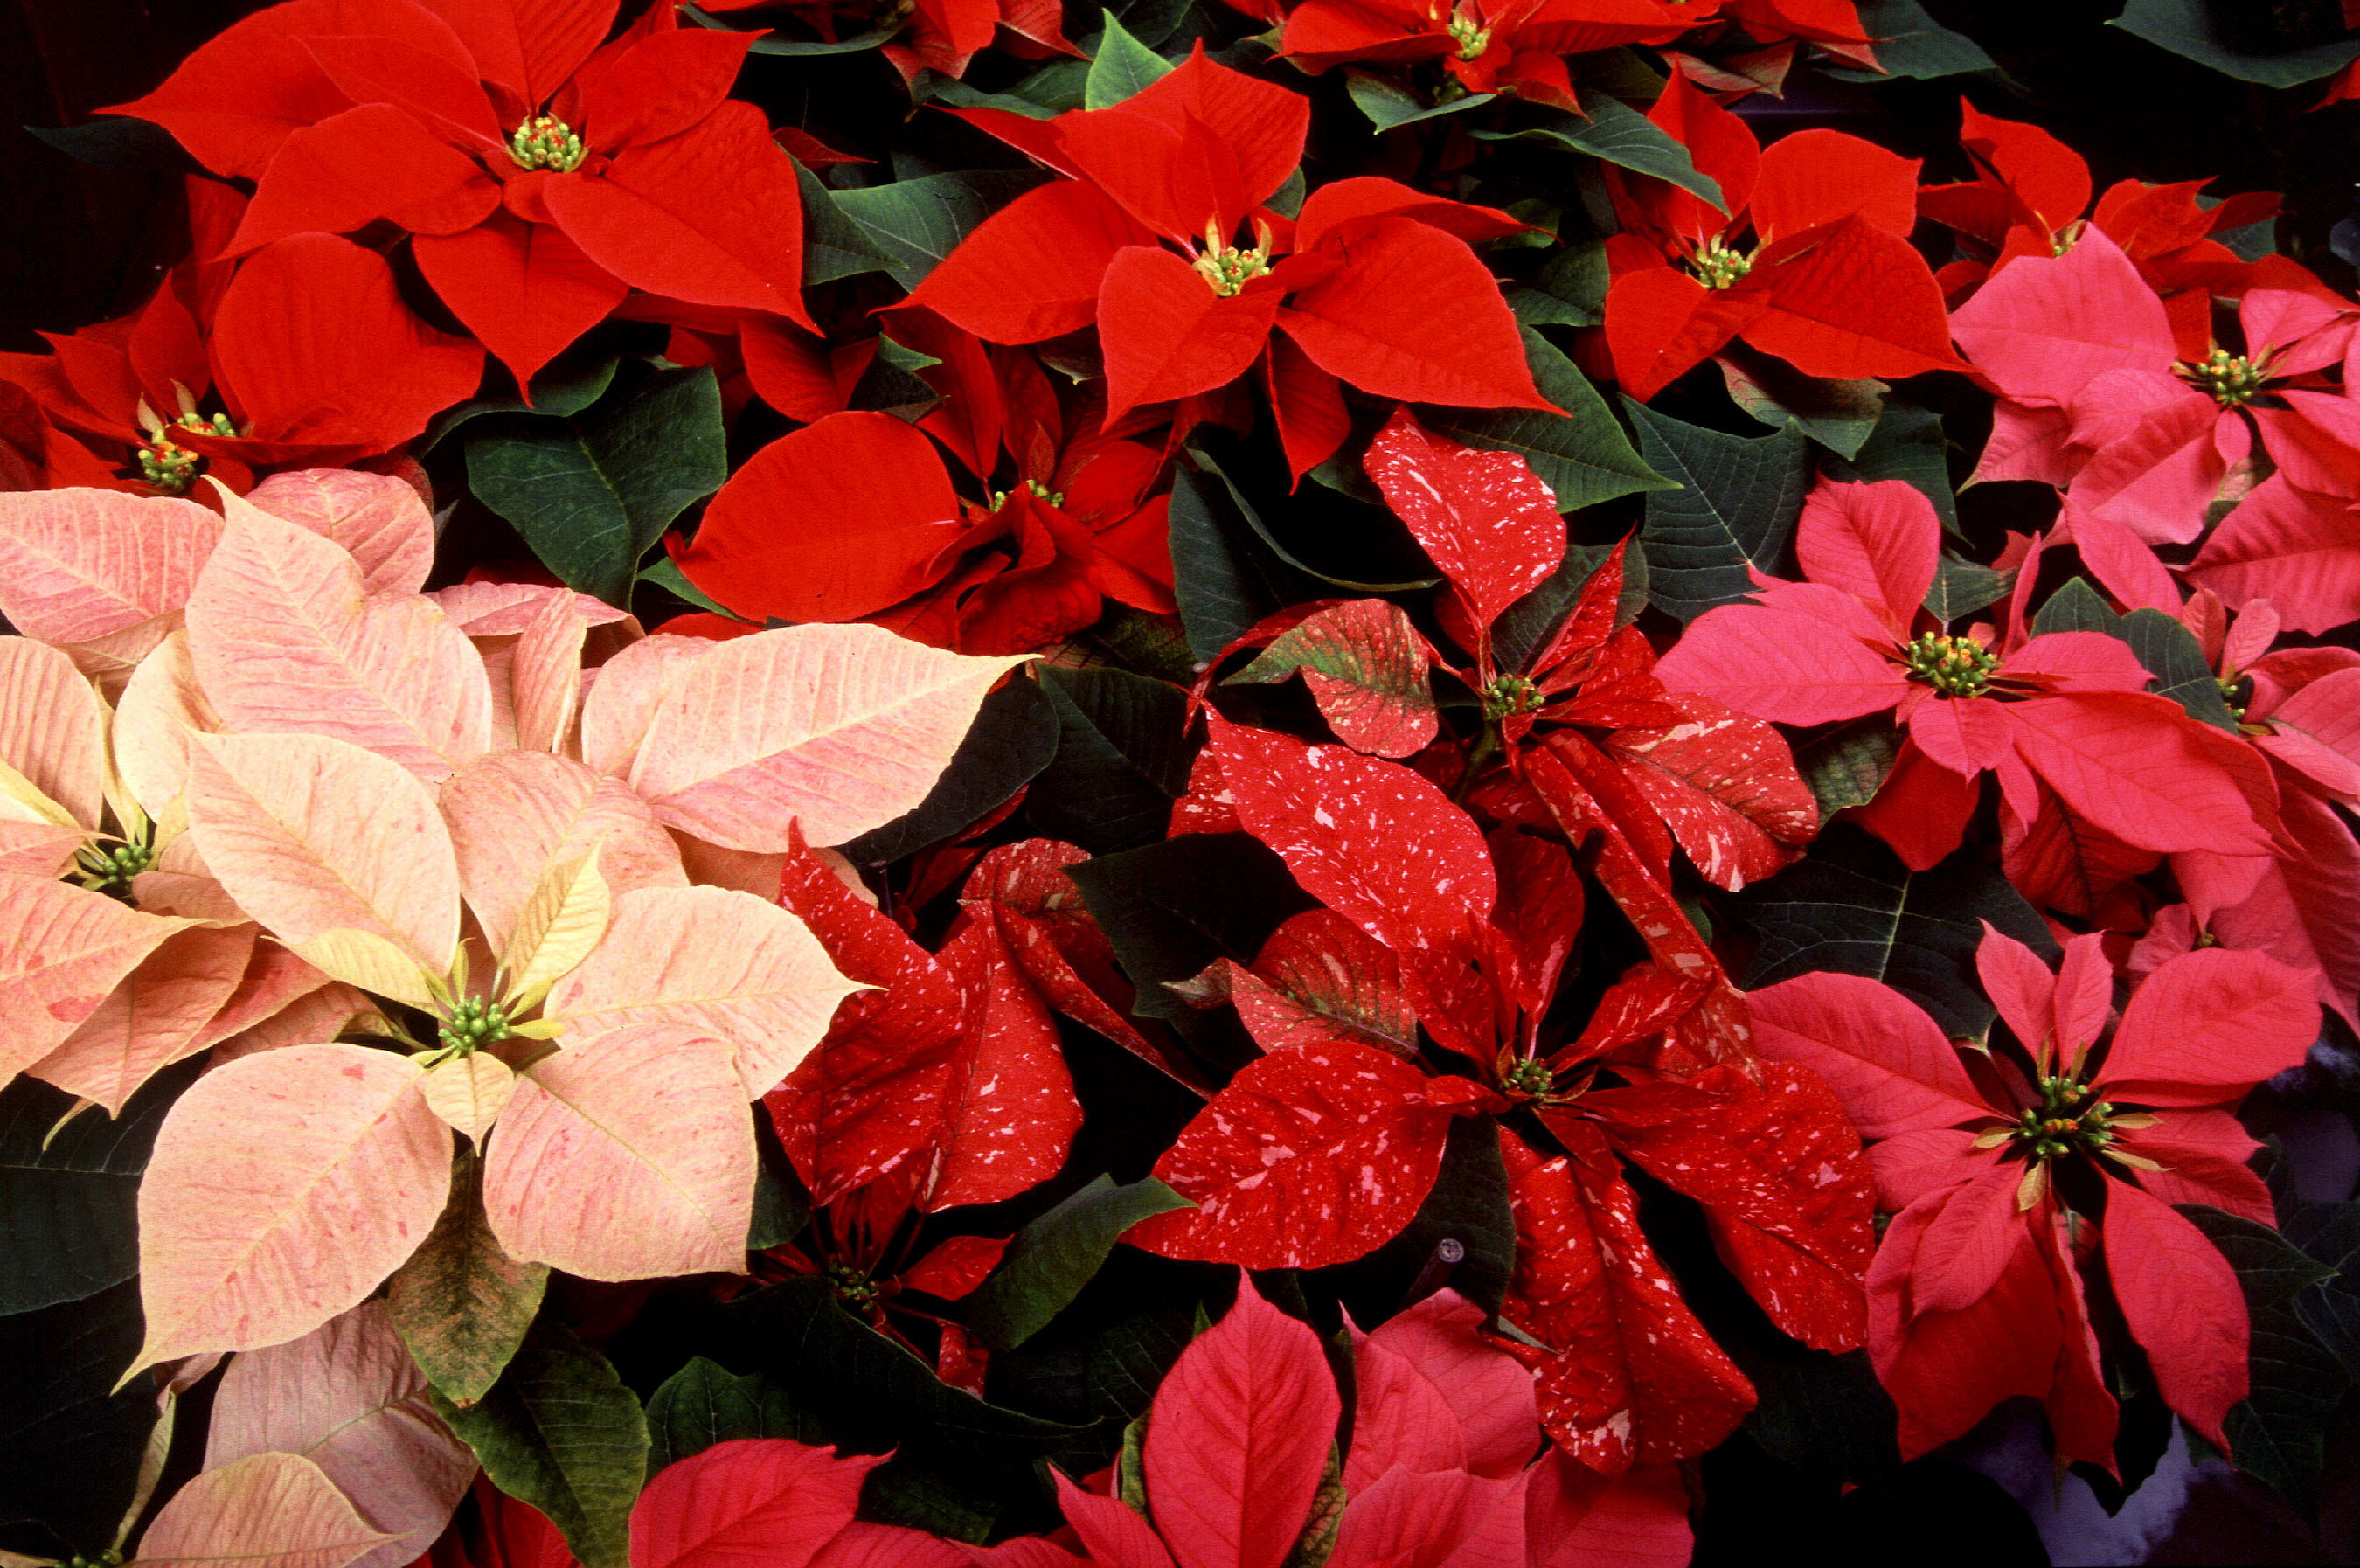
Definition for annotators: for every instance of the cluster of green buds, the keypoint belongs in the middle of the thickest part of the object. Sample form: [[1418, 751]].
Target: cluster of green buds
[[165, 462], [2068, 1120], [1468, 31], [474, 1023], [1055, 497], [2232, 379], [852, 1285], [1511, 694], [167, 465], [2236, 693], [1526, 1075], [1718, 266], [1955, 666], [1225, 267], [111, 1558], [546, 142], [109, 868]]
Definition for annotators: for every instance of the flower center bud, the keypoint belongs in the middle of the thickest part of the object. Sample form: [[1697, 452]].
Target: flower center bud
[[1225, 267], [1510, 695], [1955, 666], [1528, 1076], [473, 1023], [2066, 1121], [2230, 378], [1471, 35], [546, 142], [2236, 694], [1718, 266], [1055, 497], [852, 1285], [167, 465], [109, 868]]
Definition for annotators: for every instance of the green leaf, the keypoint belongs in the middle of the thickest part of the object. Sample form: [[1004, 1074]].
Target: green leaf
[[775, 45], [1582, 454], [592, 495], [704, 1403], [1051, 1259], [2270, 1268], [2077, 607], [1225, 578], [1389, 102], [1849, 764], [1121, 66], [944, 1502], [1015, 736], [1317, 1542], [834, 245], [1962, 587], [665, 573], [1244, 510], [1621, 135], [2279, 1433], [1525, 628], [70, 1212], [561, 1432], [2177, 660], [2200, 30], [1569, 290], [1736, 505], [781, 1204], [70, 1445], [916, 222], [564, 387], [1907, 444], [1123, 758], [1850, 906], [461, 1304], [1839, 415], [1128, 1361], [1911, 44], [1469, 1206], [118, 142], [1171, 908]]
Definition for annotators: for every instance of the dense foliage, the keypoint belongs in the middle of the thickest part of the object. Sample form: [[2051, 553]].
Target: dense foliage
[[1192, 785]]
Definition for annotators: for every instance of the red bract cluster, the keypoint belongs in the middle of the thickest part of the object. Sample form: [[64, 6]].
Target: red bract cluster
[[1188, 785]]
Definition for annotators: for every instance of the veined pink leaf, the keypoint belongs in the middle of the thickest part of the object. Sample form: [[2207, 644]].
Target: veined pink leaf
[[2144, 771], [161, 705], [765, 1501], [513, 814], [1484, 517], [2208, 1025], [319, 1015], [348, 1398], [266, 1510], [2044, 328], [1412, 1519], [627, 1155], [63, 950], [485, 611], [51, 728], [156, 1015], [91, 566], [713, 961], [283, 1189], [1427, 1383], [378, 518], [286, 640], [312, 835], [843, 727], [623, 698], [40, 850], [545, 677], [1878, 542], [1882, 1054]]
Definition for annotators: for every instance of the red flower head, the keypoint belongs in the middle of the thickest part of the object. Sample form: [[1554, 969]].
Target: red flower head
[[301, 356], [1828, 283], [543, 172], [2067, 711], [936, 35], [2001, 1161], [1373, 283], [1488, 46]]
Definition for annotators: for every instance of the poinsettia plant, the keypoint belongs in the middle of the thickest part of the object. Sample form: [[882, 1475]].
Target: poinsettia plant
[[1176, 785]]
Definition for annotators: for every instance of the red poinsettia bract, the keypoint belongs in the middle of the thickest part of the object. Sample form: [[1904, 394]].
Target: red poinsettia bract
[[1516, 46], [1373, 283], [2008, 1167], [1829, 282], [544, 170]]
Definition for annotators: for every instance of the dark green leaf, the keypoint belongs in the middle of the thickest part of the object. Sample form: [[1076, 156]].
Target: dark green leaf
[[1569, 290], [1907, 444], [1051, 1259], [665, 573], [593, 495], [919, 222], [1582, 454], [1909, 43], [1850, 906], [2077, 607], [1013, 738], [1121, 66], [1123, 758], [461, 1304], [1151, 22], [2279, 1433], [1839, 415], [2176, 660], [561, 1432], [781, 1203], [940, 1500], [68, 1212], [562, 389], [1244, 510], [1225, 578], [1469, 1205], [774, 45], [1525, 628], [834, 245], [1621, 135], [1962, 587], [1737, 505], [2194, 29], [1171, 908], [704, 1403], [1824, 1415], [1848, 766], [1388, 102], [2270, 1267], [118, 142], [70, 1448], [2332, 1316], [1129, 1359]]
